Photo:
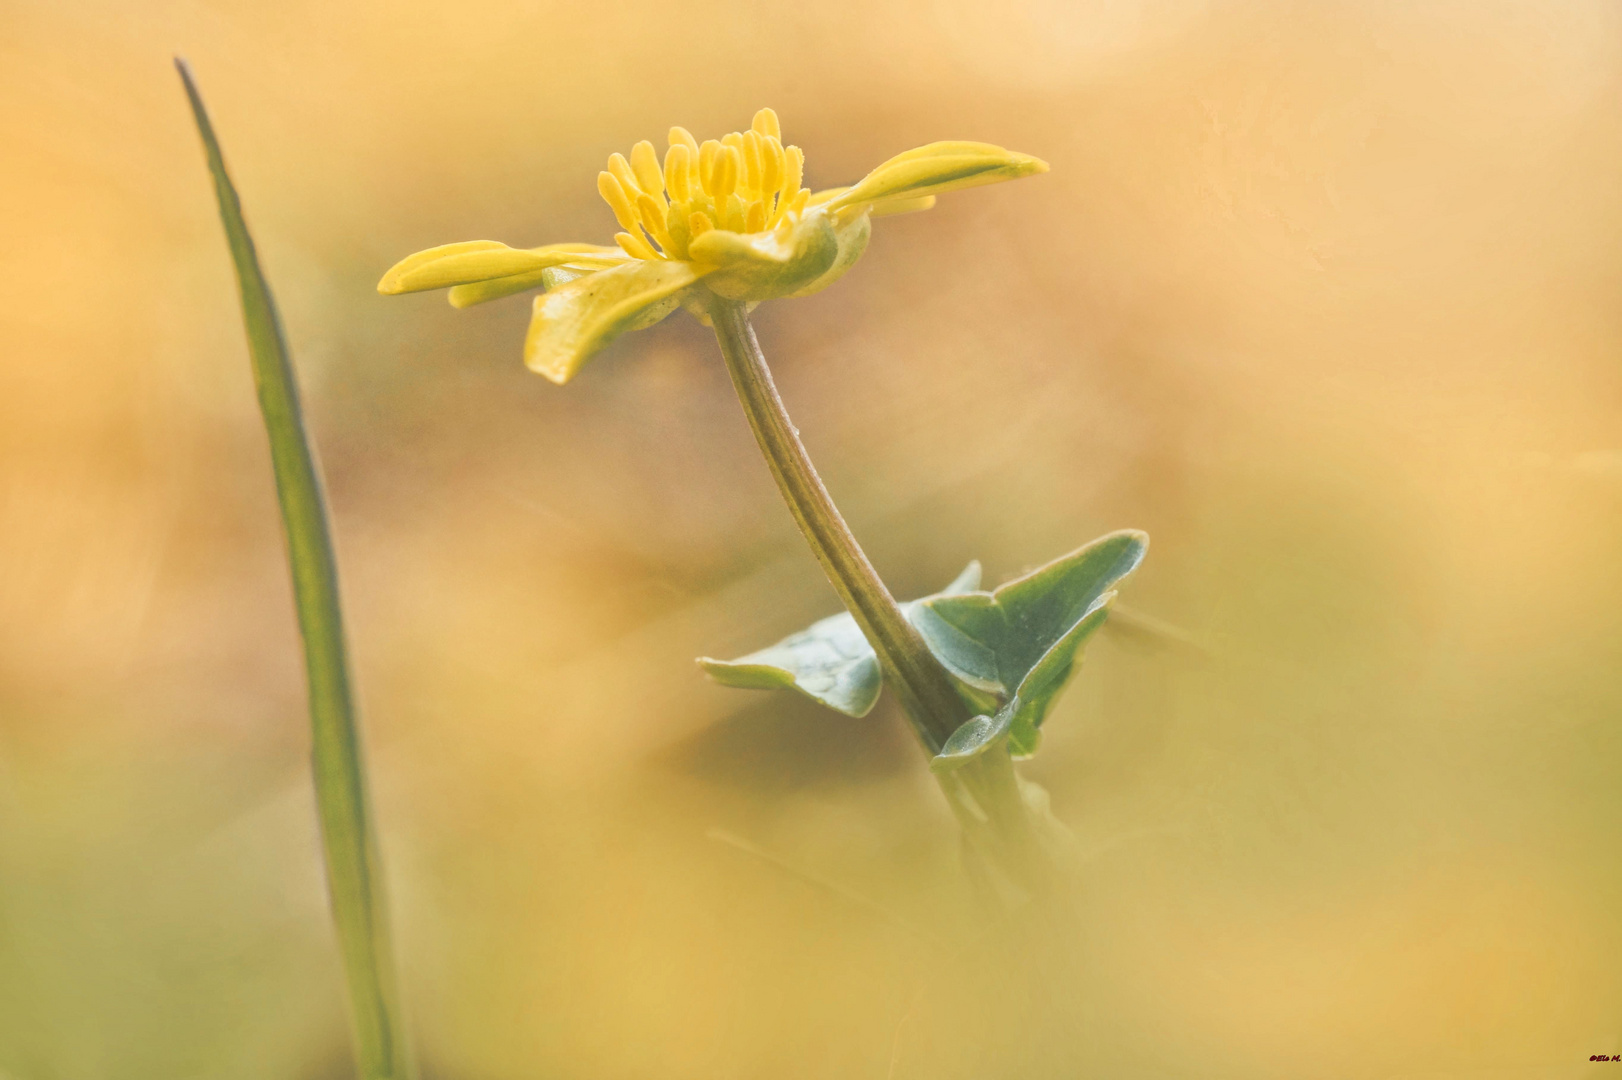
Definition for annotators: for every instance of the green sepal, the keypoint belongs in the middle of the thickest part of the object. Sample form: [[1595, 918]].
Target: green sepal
[[1023, 639], [851, 233], [830, 662], [766, 265]]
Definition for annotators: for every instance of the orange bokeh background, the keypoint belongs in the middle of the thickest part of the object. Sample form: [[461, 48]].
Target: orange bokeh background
[[1324, 296]]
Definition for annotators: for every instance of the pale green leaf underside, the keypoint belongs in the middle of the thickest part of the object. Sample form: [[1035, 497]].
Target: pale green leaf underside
[[830, 661], [1017, 645], [974, 738]]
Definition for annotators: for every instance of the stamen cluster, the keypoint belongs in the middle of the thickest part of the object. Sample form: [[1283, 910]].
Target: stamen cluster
[[747, 182]]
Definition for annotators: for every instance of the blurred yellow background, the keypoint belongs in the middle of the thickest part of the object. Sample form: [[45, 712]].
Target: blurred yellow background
[[1323, 295]]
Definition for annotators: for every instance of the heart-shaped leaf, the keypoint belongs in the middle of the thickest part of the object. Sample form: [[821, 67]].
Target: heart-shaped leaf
[[1022, 640], [830, 661]]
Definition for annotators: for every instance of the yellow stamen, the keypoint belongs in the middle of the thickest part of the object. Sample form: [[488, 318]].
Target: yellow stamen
[[622, 172], [726, 174], [676, 218], [734, 142], [653, 218], [635, 246], [751, 161], [707, 155], [645, 163], [677, 178], [771, 168], [747, 181], [614, 195], [766, 124], [794, 172], [684, 137]]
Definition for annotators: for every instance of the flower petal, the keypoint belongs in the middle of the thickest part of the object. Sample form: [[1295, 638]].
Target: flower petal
[[575, 320], [938, 167], [479, 292], [903, 204], [389, 285], [766, 265], [483, 260]]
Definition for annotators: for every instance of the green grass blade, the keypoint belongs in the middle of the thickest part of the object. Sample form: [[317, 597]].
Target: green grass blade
[[354, 874]]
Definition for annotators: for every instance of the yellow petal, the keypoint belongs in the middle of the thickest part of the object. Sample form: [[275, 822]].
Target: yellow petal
[[479, 292], [389, 286], [938, 167], [555, 277], [460, 264], [905, 204], [762, 266], [574, 321], [825, 196], [584, 262]]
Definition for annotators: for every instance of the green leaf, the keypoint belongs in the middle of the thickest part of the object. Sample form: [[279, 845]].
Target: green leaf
[[830, 662], [1022, 640], [349, 840]]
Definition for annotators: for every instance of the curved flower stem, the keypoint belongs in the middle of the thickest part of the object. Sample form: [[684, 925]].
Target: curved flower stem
[[984, 794], [926, 689]]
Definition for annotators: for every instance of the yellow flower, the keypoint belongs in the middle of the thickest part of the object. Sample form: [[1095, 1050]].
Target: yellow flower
[[726, 218]]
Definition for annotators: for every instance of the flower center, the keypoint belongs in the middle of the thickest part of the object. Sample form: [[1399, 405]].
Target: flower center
[[747, 182]]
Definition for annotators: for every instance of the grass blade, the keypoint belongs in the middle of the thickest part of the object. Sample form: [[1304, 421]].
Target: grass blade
[[354, 876]]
